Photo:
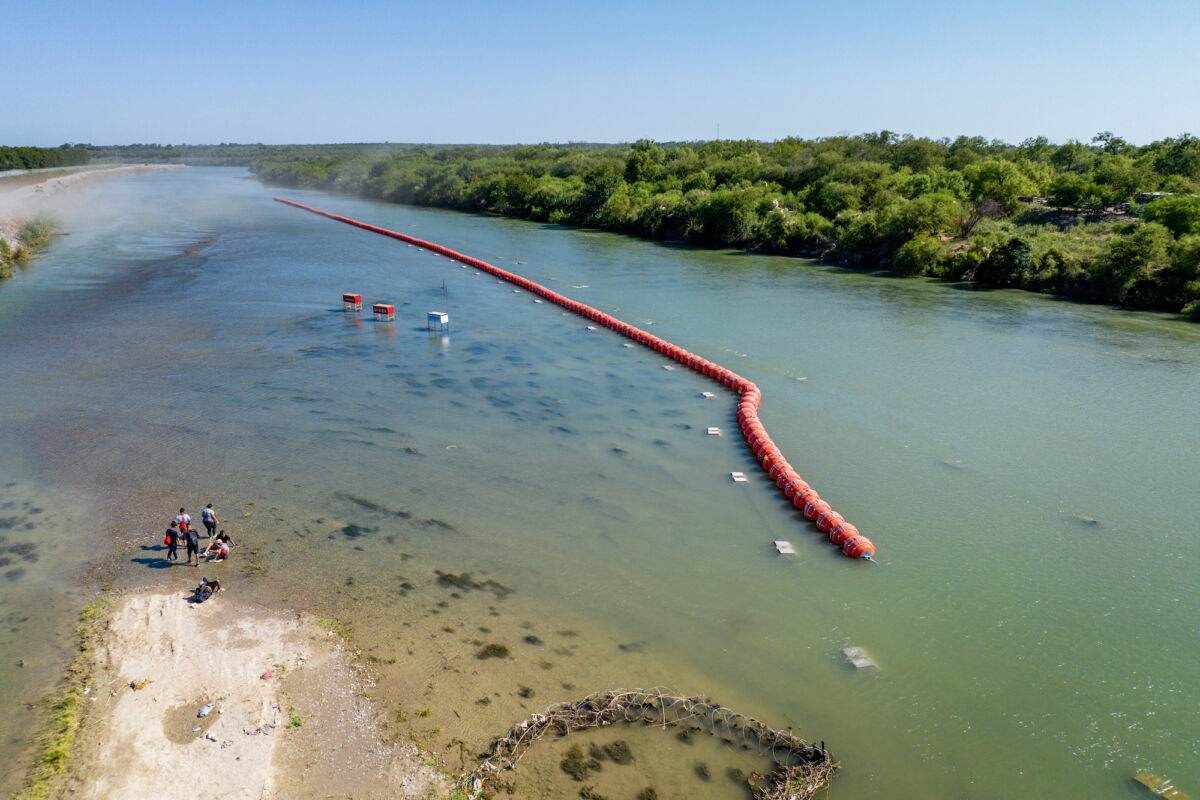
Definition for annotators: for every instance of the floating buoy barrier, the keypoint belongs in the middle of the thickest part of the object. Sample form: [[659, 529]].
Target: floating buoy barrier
[[804, 498], [802, 769]]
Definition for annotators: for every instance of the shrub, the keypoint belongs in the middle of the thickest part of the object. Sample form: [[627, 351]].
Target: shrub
[[1006, 265], [917, 256]]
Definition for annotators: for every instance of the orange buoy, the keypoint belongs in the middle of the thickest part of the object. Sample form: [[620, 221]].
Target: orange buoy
[[795, 486], [841, 532], [827, 519], [803, 497], [859, 547], [814, 508]]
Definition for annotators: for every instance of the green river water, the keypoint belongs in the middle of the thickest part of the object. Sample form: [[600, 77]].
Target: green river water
[[1027, 468]]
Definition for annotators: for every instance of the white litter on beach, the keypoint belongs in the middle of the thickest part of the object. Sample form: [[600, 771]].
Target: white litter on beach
[[784, 548], [714, 431], [857, 657], [738, 477]]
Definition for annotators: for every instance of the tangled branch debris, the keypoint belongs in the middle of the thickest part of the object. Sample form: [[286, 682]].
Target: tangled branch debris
[[802, 769]]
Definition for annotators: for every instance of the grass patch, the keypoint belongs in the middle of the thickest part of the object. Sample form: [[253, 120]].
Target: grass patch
[[57, 739], [335, 625], [36, 234], [294, 720]]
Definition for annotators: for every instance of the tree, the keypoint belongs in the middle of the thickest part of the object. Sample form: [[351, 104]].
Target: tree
[[598, 185], [1113, 145], [996, 179], [917, 256], [640, 166], [1181, 215], [1129, 259], [1007, 264], [1073, 155], [1070, 191]]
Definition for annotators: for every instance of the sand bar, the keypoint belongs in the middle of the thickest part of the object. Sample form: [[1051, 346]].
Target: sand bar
[[287, 716], [21, 200]]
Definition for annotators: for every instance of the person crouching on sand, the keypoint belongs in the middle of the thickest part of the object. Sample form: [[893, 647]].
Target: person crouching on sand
[[219, 548]]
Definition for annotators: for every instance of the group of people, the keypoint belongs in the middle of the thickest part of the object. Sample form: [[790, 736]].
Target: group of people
[[181, 530]]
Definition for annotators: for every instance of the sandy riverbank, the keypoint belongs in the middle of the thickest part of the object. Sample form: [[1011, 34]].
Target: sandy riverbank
[[21, 201], [288, 720]]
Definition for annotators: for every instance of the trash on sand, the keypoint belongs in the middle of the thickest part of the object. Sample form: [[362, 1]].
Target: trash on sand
[[136, 685], [205, 709], [266, 676], [196, 730]]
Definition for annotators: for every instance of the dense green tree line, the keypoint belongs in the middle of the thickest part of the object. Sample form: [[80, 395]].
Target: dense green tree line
[[1107, 221], [225, 154], [42, 157]]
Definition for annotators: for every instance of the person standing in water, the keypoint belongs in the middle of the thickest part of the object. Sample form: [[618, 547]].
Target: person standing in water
[[193, 545], [210, 519], [172, 541]]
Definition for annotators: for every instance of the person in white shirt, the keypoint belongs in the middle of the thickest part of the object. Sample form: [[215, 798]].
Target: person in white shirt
[[209, 517]]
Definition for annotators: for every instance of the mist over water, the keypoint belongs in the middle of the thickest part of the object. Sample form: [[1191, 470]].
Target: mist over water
[[1027, 469]]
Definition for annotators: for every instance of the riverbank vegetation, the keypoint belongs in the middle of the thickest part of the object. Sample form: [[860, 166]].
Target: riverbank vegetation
[[42, 157], [57, 739], [31, 238], [1106, 221]]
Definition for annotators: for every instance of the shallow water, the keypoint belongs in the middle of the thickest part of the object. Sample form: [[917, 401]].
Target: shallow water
[[1027, 468]]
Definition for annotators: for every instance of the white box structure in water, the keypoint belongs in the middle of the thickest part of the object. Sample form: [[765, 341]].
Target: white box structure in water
[[738, 477], [707, 394], [784, 548], [857, 657], [714, 431]]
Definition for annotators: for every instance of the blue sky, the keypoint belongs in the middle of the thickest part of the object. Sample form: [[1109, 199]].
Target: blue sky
[[184, 72]]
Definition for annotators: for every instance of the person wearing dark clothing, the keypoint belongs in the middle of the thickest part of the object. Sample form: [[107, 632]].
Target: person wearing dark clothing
[[193, 545], [172, 542], [207, 589]]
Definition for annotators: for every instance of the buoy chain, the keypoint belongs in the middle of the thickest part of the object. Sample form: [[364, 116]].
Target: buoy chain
[[803, 497]]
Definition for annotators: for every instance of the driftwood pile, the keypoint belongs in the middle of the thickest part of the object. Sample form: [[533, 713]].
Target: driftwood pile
[[802, 769]]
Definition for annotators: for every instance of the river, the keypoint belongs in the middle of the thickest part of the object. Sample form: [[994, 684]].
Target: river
[[1027, 468]]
